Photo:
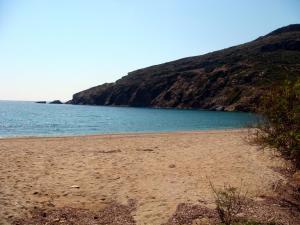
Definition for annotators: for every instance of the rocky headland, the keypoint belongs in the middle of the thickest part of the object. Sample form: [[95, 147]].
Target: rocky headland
[[232, 79]]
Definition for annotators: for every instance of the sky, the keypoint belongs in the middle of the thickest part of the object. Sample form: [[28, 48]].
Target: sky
[[51, 49]]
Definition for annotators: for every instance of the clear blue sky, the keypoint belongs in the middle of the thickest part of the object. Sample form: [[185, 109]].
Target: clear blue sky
[[51, 49]]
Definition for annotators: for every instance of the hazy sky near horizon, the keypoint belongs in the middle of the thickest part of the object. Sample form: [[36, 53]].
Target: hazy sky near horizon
[[51, 49]]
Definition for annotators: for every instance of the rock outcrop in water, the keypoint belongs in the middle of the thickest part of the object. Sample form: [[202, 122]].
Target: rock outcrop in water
[[56, 102], [231, 79]]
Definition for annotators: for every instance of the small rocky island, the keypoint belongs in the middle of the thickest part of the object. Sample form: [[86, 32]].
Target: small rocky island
[[232, 79], [56, 102]]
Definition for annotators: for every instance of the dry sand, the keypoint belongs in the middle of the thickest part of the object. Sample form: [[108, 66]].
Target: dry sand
[[158, 170]]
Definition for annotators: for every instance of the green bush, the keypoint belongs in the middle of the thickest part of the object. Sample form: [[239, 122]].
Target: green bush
[[280, 126], [229, 201]]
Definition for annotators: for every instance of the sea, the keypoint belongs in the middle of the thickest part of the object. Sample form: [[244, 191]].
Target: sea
[[23, 118]]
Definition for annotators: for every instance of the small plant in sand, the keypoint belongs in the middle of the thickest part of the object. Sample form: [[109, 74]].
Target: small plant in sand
[[230, 201]]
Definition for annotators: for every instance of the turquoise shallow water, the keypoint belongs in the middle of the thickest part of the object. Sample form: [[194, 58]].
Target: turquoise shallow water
[[32, 119]]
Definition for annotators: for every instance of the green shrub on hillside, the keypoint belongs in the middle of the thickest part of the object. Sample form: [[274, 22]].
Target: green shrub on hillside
[[280, 126]]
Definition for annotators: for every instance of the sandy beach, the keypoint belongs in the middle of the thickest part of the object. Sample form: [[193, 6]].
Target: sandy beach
[[157, 170]]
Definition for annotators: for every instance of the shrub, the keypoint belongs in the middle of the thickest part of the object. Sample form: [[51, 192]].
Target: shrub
[[280, 126], [229, 201]]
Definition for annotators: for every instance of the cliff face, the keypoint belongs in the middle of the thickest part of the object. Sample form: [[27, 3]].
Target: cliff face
[[229, 79]]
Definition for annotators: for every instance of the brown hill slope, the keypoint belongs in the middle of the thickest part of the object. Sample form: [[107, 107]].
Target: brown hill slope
[[229, 79]]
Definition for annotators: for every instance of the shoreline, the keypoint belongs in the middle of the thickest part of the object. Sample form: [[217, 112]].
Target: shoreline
[[221, 130]]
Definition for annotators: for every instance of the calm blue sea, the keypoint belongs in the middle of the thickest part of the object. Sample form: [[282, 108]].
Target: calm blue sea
[[32, 119]]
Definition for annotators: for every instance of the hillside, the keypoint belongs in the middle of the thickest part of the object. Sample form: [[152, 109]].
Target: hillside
[[231, 79]]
